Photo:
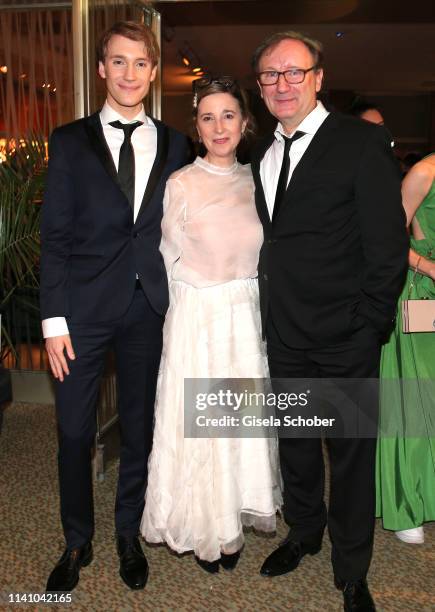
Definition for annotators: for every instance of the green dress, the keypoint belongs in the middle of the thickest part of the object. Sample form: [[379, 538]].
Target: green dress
[[405, 467]]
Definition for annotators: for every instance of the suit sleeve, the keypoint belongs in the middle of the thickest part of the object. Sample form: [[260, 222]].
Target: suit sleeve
[[383, 232], [57, 223]]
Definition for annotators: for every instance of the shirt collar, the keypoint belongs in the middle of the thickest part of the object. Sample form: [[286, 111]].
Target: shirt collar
[[108, 114], [309, 125]]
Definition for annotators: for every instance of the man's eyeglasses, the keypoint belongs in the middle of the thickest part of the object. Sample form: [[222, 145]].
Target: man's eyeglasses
[[293, 76]]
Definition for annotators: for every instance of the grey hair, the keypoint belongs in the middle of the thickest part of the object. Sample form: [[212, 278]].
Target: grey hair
[[314, 46]]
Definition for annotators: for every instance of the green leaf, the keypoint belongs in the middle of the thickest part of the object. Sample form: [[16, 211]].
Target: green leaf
[[22, 178]]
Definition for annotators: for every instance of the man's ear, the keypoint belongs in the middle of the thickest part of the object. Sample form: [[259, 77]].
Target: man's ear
[[101, 70], [319, 79], [153, 73]]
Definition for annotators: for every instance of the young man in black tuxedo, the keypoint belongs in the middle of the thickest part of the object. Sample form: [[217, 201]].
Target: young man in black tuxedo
[[331, 269], [103, 284]]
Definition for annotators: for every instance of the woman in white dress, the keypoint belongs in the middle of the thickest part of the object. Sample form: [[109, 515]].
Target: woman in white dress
[[201, 491]]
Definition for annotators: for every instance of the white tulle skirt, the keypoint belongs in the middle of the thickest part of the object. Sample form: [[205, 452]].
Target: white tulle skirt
[[201, 491]]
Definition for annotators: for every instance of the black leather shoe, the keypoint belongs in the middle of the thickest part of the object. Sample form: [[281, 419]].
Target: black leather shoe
[[356, 595], [212, 567], [66, 573], [287, 557], [229, 562], [133, 566]]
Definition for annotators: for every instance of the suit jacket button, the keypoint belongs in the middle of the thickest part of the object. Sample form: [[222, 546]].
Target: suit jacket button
[[265, 277], [135, 234]]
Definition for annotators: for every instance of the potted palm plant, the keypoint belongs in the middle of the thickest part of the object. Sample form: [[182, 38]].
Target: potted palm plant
[[21, 184]]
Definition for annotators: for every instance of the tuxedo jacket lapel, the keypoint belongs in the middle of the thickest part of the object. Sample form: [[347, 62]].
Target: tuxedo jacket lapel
[[320, 142], [95, 133], [159, 164], [260, 198], [315, 150]]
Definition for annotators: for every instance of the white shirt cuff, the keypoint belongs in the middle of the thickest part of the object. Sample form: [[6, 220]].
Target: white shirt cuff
[[55, 326]]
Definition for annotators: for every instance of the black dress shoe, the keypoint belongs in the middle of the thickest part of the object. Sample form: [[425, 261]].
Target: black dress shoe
[[287, 557], [66, 573], [229, 562], [212, 567], [133, 566], [356, 595]]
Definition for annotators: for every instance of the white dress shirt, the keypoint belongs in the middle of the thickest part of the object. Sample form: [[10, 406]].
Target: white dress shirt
[[271, 163], [144, 141]]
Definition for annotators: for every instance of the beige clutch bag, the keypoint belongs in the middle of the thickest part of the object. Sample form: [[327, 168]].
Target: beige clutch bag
[[418, 316]]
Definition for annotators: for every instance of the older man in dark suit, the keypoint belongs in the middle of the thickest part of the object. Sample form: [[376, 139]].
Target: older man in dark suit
[[103, 283], [331, 270]]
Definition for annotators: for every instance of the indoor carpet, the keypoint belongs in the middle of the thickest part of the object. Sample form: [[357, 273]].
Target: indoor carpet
[[401, 578]]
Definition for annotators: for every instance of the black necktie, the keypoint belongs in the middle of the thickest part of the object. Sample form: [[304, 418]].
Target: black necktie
[[126, 159], [283, 175]]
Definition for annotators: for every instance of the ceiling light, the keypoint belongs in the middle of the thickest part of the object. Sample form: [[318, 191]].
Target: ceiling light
[[3, 69], [188, 55], [197, 69]]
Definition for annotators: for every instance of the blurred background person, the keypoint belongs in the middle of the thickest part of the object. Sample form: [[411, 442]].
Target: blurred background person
[[366, 110], [406, 464]]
